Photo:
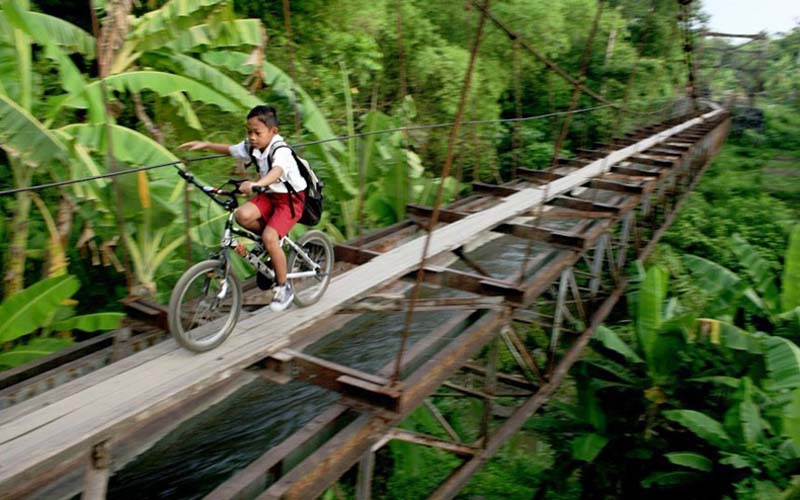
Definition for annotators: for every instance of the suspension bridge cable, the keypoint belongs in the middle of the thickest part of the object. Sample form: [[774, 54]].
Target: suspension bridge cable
[[300, 145]]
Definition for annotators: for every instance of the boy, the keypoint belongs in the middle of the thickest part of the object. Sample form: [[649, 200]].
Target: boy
[[268, 214]]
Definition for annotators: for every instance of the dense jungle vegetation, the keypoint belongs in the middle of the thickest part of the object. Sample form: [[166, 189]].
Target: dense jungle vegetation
[[694, 392]]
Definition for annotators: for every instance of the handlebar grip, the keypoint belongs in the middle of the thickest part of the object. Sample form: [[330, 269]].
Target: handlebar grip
[[259, 189]]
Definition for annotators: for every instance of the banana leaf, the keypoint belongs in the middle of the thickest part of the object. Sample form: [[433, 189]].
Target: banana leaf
[[90, 322], [588, 446], [611, 340], [790, 291], [236, 33], [170, 22], [652, 293], [722, 285], [690, 460], [700, 424], [33, 307], [36, 348], [162, 83], [23, 136], [130, 146], [46, 29], [205, 73], [783, 363], [758, 269], [791, 418]]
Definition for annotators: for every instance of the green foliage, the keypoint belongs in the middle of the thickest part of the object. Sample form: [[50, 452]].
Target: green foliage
[[34, 307], [41, 309]]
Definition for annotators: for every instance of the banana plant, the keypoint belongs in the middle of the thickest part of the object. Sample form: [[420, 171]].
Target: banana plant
[[38, 312], [28, 143], [756, 287]]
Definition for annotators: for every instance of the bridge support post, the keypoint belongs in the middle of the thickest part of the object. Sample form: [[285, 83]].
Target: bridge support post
[[96, 478], [366, 466]]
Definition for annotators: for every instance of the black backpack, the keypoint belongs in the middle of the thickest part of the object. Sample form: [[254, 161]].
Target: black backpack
[[312, 210]]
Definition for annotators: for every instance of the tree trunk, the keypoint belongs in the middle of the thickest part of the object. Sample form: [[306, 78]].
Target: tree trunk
[[13, 279]]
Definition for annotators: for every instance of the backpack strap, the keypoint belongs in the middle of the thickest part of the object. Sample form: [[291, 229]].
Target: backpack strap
[[289, 187]]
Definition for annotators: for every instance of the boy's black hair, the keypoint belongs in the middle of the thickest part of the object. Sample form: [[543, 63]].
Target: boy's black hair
[[267, 115]]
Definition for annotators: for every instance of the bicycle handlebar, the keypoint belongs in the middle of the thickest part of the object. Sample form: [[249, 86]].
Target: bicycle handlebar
[[213, 192]]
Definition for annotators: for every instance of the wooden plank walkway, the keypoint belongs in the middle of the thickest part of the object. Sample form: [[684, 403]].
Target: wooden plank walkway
[[37, 434]]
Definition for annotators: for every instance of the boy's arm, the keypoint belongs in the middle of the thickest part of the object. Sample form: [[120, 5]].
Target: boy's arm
[[211, 146]]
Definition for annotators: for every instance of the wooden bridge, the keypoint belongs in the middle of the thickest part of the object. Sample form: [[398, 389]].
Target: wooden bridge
[[586, 219]]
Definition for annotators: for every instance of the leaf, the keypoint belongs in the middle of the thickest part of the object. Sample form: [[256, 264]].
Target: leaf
[[169, 22], [791, 418], [730, 336], [588, 446], [130, 146], [652, 293], [90, 322], [783, 363], [790, 291], [163, 84], [701, 424], [249, 32], [691, 460], [206, 74], [24, 312], [36, 348], [23, 136], [669, 478], [720, 283], [758, 269], [749, 414], [46, 29], [734, 460], [611, 340], [731, 382]]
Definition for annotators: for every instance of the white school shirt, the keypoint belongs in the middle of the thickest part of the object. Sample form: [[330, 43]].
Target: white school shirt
[[281, 158]]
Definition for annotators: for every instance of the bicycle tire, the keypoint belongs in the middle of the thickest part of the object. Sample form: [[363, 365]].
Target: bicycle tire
[[204, 332], [318, 247]]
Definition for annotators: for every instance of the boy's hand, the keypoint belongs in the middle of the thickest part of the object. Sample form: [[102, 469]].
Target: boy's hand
[[246, 187], [194, 145]]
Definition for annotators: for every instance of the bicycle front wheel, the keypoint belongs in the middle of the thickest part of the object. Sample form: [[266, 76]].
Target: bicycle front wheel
[[319, 250], [204, 306]]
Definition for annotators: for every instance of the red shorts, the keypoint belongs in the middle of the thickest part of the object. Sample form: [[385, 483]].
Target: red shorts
[[275, 210]]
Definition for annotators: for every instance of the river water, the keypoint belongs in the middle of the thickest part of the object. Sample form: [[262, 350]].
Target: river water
[[208, 448]]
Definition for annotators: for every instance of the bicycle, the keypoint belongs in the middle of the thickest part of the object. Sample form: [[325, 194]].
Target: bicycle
[[207, 300]]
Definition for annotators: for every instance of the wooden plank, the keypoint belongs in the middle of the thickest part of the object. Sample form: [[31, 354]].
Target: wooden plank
[[85, 418]]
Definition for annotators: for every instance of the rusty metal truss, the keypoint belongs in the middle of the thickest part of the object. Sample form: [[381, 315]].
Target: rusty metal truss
[[581, 244]]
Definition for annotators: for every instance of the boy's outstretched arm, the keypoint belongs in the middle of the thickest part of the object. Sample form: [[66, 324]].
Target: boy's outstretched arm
[[211, 146]]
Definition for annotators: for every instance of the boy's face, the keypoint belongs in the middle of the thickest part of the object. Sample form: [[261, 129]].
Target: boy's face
[[259, 134]]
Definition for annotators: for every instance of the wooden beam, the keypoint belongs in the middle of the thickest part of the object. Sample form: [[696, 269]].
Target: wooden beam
[[361, 386], [434, 442], [620, 187], [537, 175], [493, 189], [474, 283], [353, 255], [647, 160], [555, 238], [581, 204], [632, 170]]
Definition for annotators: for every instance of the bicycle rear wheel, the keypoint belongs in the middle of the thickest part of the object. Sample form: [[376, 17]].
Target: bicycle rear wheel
[[204, 306], [318, 248]]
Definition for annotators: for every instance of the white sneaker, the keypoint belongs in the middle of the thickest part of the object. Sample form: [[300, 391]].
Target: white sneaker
[[282, 298]]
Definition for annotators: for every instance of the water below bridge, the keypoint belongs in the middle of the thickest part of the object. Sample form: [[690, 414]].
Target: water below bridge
[[207, 449]]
